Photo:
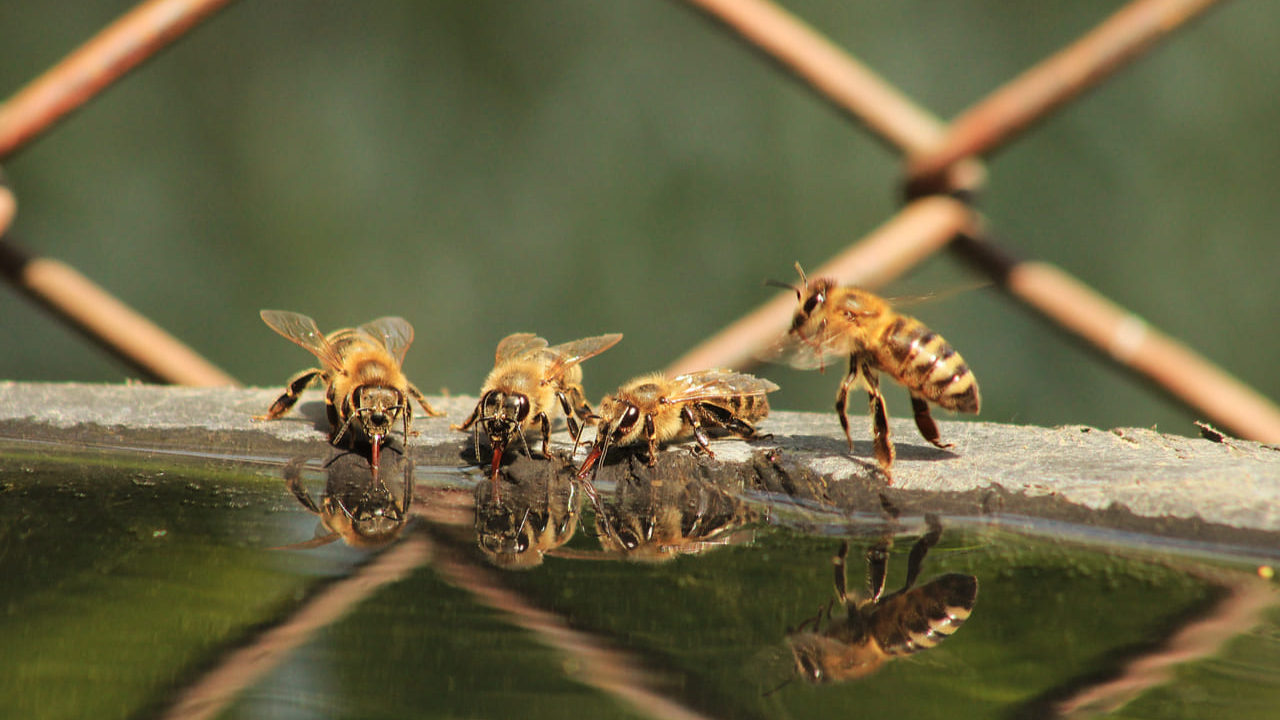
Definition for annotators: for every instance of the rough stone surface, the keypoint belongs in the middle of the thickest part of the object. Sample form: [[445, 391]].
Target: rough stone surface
[[1127, 477]]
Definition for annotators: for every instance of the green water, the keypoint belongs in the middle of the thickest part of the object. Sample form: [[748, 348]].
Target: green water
[[133, 578]]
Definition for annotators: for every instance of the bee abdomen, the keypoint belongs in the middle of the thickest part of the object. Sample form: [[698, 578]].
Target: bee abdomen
[[749, 407], [926, 616], [928, 366]]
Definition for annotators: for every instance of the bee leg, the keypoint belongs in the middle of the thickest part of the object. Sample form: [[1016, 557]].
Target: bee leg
[[921, 548], [727, 420], [841, 572], [545, 424], [293, 389], [574, 398], [842, 398], [880, 421], [293, 481], [569, 411], [422, 400], [878, 567], [699, 434], [924, 422], [651, 432]]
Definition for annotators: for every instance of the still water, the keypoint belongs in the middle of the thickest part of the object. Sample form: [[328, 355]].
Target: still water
[[141, 584]]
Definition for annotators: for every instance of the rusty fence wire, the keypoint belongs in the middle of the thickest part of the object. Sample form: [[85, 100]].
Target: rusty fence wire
[[943, 171]]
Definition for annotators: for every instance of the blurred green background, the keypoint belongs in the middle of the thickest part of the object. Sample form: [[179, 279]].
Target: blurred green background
[[574, 168]]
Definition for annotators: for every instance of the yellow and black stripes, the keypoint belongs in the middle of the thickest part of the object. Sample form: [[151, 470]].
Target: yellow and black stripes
[[927, 365]]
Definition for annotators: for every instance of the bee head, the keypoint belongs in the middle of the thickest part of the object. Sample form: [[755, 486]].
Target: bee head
[[811, 294], [378, 407], [502, 415]]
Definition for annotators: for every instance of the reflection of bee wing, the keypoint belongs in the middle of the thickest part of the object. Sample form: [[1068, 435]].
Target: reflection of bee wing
[[518, 345], [718, 383], [302, 330], [395, 334], [924, 616], [566, 355]]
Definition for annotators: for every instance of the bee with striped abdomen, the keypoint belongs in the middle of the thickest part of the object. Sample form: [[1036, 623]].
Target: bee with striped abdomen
[[882, 627], [834, 322], [367, 390], [528, 381], [656, 409]]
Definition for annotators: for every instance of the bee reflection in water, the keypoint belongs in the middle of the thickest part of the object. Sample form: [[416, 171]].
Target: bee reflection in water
[[363, 508], [882, 627], [655, 520], [529, 509]]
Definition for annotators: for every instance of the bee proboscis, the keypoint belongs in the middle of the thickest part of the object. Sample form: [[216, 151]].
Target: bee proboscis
[[528, 380], [833, 322], [882, 627], [656, 409], [367, 390]]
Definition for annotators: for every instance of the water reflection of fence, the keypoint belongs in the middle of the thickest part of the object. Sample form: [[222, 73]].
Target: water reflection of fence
[[942, 173]]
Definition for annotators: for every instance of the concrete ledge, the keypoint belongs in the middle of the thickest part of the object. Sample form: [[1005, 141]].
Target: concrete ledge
[[1124, 478]]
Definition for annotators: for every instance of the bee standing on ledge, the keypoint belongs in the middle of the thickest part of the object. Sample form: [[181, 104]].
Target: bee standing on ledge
[[527, 381], [836, 321], [656, 409], [882, 627], [367, 390]]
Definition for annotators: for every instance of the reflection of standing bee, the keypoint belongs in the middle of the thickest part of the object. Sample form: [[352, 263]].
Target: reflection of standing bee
[[658, 521], [536, 513], [882, 627], [657, 409], [527, 381], [358, 507], [367, 390], [837, 321]]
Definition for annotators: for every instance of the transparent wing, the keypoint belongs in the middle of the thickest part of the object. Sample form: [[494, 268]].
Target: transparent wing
[[302, 330], [518, 345], [395, 334], [719, 383], [806, 353], [566, 355]]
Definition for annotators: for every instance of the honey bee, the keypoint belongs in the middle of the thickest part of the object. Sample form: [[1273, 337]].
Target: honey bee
[[357, 507], [882, 627], [366, 388], [656, 522], [837, 321], [658, 409], [527, 381]]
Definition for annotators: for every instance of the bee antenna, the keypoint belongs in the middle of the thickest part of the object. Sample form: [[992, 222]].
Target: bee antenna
[[780, 284]]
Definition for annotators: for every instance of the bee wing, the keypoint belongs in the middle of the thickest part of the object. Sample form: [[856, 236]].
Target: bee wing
[[718, 383], [518, 345], [805, 354], [395, 334], [566, 355], [302, 330]]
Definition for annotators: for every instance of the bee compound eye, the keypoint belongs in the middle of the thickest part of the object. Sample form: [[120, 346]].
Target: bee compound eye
[[630, 417]]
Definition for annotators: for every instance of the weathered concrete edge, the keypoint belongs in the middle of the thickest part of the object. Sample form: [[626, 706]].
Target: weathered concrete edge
[[1147, 474]]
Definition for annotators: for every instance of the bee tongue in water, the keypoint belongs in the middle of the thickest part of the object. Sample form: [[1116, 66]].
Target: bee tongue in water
[[375, 454]]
